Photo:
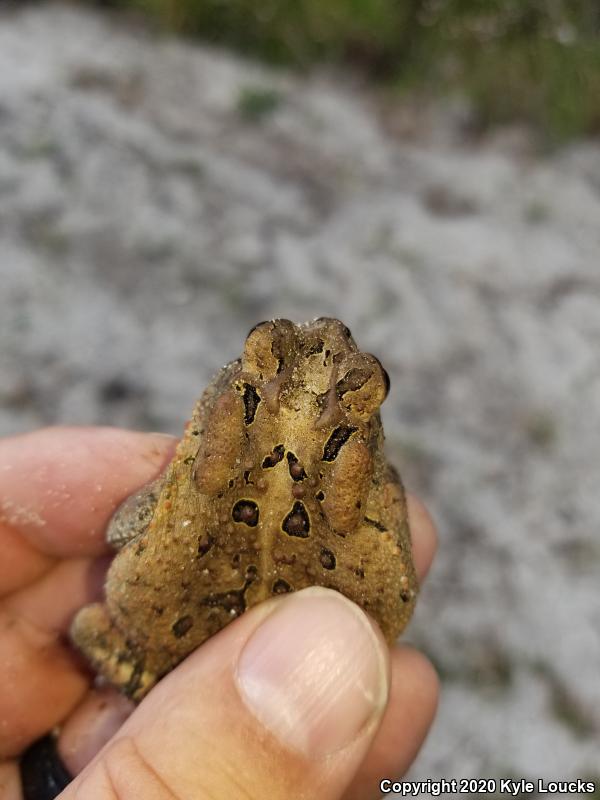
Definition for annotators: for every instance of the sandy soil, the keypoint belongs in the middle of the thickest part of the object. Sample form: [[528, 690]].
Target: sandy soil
[[158, 198]]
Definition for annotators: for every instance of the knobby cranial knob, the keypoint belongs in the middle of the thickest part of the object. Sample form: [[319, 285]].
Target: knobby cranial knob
[[268, 346]]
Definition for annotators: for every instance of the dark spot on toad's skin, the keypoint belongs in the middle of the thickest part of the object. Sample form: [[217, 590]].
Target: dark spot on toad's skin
[[297, 472], [327, 559], [281, 587], [316, 347], [336, 441], [297, 522], [251, 401], [182, 626], [375, 524], [246, 511], [233, 602], [205, 542], [274, 457]]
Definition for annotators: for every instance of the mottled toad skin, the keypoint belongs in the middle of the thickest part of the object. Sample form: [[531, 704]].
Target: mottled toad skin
[[280, 482]]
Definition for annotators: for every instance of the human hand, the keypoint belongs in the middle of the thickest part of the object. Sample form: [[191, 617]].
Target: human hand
[[299, 697]]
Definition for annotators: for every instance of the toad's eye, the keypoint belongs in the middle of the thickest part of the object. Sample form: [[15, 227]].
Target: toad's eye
[[352, 381], [364, 386]]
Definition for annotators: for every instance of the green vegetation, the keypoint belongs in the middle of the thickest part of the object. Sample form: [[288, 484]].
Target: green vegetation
[[256, 102], [535, 60], [565, 707], [541, 429]]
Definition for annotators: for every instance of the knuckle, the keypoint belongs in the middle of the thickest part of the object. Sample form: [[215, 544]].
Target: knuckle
[[130, 775]]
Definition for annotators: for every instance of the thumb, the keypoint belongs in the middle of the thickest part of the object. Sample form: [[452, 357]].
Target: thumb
[[283, 703]]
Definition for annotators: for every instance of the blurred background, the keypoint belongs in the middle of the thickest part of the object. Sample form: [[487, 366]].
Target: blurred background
[[174, 171]]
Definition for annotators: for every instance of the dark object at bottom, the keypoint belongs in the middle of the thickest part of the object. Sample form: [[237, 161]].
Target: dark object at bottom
[[43, 773]]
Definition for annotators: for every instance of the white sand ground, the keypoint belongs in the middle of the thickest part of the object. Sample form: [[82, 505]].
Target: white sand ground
[[146, 223]]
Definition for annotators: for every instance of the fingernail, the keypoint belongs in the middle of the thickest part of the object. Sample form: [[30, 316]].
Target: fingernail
[[314, 673]]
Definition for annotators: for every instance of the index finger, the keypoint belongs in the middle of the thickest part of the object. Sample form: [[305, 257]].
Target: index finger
[[59, 486]]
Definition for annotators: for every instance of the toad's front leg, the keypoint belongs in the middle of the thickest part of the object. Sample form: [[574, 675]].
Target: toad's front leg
[[133, 516]]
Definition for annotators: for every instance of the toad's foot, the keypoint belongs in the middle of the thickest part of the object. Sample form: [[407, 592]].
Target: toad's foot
[[110, 653]]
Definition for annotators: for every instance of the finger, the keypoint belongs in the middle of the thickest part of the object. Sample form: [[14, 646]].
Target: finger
[[22, 563], [33, 623], [283, 703], [95, 720], [59, 486], [42, 681], [405, 724], [50, 602], [80, 746], [412, 705], [424, 536], [10, 784]]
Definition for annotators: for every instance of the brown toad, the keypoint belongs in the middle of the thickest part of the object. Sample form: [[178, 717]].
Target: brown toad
[[280, 482]]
